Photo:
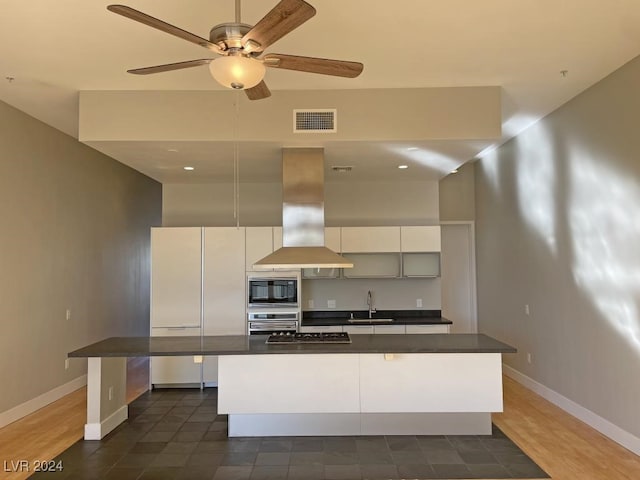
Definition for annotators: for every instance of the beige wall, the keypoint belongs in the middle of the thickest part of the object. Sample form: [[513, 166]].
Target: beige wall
[[457, 195], [346, 203], [366, 203], [389, 294], [558, 228], [363, 115], [75, 235]]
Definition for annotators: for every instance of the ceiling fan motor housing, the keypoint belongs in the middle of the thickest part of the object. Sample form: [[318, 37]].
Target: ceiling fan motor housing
[[229, 35]]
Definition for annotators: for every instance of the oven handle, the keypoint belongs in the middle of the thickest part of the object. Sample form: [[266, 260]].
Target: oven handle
[[255, 326]]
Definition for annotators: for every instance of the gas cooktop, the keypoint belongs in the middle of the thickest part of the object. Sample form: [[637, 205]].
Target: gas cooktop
[[315, 337]]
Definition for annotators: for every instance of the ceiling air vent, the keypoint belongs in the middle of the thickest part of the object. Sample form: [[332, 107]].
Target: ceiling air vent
[[315, 121]]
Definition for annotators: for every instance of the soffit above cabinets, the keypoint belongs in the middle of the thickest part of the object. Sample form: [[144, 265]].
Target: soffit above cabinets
[[433, 131]]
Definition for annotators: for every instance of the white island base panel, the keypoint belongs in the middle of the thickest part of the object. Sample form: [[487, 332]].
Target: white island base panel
[[336, 424], [360, 394], [106, 396]]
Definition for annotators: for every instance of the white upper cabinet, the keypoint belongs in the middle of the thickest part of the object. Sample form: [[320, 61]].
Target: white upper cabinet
[[277, 238], [370, 239], [373, 265], [259, 244], [420, 239], [332, 239], [176, 274]]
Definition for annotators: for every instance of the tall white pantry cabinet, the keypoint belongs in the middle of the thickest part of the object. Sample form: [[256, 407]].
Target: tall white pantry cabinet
[[197, 288]]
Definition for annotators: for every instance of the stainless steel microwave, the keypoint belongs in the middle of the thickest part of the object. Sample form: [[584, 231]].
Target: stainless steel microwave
[[272, 292]]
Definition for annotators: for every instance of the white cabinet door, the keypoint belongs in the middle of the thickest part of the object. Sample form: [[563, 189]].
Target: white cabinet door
[[432, 382], [224, 288], [370, 239], [358, 329], [259, 244], [320, 328], [176, 274], [389, 329], [174, 370], [251, 384], [224, 281], [427, 329], [420, 239]]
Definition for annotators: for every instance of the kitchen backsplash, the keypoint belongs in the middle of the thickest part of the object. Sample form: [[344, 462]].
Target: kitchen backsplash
[[388, 294]]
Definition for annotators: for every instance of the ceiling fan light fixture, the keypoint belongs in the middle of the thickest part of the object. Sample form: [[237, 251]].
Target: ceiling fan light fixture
[[237, 71]]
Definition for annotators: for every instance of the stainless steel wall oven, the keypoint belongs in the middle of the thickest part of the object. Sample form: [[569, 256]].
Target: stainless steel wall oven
[[266, 323]]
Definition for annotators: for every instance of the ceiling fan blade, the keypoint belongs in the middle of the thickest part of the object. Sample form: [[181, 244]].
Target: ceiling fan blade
[[325, 66], [258, 92], [285, 17], [170, 66], [163, 26]]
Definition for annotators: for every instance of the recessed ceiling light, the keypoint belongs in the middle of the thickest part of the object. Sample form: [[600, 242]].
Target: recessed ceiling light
[[454, 171], [412, 149], [402, 167], [188, 168], [174, 150]]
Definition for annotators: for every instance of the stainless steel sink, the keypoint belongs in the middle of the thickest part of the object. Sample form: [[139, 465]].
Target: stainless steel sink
[[370, 320]]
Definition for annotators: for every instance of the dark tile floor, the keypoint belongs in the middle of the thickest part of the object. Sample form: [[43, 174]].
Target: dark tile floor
[[176, 434]]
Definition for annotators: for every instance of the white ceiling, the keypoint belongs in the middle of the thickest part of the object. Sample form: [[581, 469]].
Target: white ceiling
[[53, 50]]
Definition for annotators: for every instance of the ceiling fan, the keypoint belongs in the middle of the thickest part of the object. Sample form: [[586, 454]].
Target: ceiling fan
[[240, 46]]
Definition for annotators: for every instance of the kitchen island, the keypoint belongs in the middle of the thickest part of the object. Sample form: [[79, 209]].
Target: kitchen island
[[378, 384]]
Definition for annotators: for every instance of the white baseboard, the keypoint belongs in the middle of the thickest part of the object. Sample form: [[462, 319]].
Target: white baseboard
[[30, 406], [602, 425], [97, 431]]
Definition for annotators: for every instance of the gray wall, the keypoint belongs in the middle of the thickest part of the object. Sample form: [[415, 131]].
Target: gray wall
[[75, 235], [558, 229]]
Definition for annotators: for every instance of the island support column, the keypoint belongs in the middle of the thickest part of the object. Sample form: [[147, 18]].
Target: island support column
[[106, 396]]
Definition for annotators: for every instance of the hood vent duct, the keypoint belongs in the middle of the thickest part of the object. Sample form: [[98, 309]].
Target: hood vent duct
[[303, 215]]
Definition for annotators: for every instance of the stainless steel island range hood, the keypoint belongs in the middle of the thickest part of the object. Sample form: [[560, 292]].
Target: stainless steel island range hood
[[303, 215]]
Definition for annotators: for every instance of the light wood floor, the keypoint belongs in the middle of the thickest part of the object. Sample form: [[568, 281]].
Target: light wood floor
[[49, 431], [564, 447]]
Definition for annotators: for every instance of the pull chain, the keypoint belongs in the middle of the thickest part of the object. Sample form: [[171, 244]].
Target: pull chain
[[236, 162]]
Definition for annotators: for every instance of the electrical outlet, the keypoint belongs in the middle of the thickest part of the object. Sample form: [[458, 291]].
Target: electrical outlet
[[68, 315], [526, 309], [528, 358], [419, 302], [110, 393], [311, 303], [331, 304], [66, 364]]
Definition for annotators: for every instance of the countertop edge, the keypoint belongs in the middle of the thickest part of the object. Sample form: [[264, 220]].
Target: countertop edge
[[244, 345]]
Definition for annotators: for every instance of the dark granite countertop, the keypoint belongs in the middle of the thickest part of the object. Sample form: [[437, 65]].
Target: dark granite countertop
[[255, 345], [400, 317]]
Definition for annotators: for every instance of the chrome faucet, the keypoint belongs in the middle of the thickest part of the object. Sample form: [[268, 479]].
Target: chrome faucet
[[372, 309]]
